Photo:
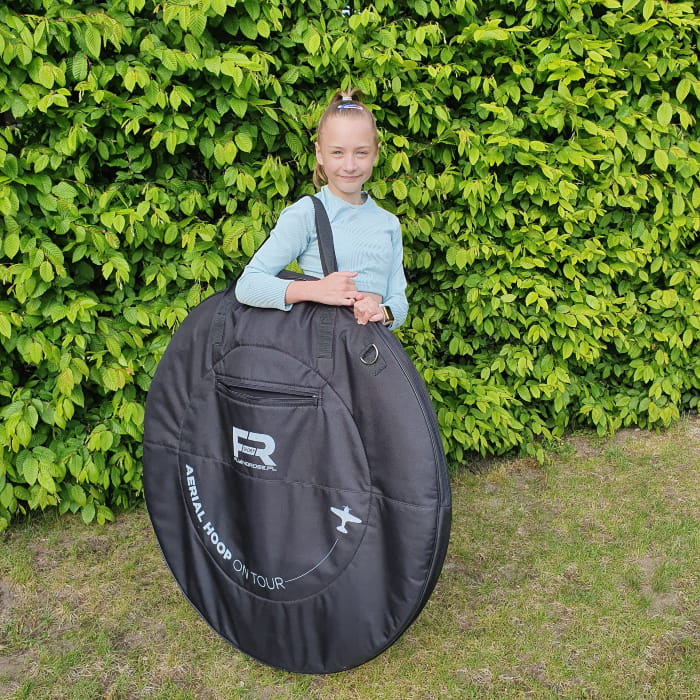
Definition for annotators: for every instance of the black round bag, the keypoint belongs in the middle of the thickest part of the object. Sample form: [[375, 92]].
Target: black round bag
[[295, 479]]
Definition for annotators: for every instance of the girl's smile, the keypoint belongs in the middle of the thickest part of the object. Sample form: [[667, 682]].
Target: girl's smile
[[347, 150]]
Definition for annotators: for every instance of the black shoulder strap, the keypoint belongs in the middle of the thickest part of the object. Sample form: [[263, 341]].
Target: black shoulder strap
[[324, 233], [326, 317]]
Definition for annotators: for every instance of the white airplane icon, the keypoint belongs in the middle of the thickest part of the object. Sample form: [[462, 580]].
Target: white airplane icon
[[345, 517]]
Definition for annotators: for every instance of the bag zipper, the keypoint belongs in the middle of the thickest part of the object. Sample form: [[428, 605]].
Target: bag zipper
[[268, 394]]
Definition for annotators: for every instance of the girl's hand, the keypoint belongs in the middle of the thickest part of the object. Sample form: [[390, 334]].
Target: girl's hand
[[336, 289], [367, 308]]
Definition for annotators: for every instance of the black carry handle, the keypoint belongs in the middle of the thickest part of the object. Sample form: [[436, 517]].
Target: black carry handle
[[324, 233]]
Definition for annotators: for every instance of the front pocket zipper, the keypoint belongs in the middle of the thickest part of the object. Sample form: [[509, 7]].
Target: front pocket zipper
[[262, 394]]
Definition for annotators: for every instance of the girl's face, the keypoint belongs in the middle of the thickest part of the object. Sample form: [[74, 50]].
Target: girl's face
[[347, 150]]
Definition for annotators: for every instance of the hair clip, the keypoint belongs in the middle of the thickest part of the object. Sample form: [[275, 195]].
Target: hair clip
[[349, 105]]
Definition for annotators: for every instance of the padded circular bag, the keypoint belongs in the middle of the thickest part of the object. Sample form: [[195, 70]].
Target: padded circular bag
[[295, 479]]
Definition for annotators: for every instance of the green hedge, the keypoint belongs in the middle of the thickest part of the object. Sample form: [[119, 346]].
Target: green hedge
[[542, 156]]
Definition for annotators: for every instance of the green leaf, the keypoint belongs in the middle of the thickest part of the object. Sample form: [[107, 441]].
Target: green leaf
[[10, 166], [30, 470], [244, 141], [5, 326], [77, 67], [7, 495], [461, 258], [664, 114], [249, 28], [78, 494], [87, 513], [11, 245], [683, 89], [171, 141], [620, 134], [46, 271], [198, 23], [45, 76], [65, 382], [421, 7], [248, 243], [661, 159], [312, 40], [46, 481], [93, 41], [399, 189], [64, 190], [491, 35]]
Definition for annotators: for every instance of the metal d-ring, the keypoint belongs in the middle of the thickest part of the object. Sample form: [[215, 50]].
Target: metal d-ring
[[372, 357]]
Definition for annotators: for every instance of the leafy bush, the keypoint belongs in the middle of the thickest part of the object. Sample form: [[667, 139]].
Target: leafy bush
[[543, 158]]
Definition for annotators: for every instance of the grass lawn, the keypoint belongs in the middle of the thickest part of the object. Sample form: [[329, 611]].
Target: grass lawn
[[577, 579]]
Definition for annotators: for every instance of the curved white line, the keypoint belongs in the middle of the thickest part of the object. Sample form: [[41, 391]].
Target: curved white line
[[296, 578]]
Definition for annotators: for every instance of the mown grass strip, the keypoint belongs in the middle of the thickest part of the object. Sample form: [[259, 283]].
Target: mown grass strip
[[576, 579]]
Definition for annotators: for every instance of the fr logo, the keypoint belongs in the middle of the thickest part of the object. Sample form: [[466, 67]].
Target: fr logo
[[248, 445]]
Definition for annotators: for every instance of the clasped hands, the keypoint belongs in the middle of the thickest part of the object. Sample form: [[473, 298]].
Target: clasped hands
[[339, 289]]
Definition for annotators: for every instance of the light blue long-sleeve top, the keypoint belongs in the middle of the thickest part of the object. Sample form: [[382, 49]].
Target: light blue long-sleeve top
[[367, 240]]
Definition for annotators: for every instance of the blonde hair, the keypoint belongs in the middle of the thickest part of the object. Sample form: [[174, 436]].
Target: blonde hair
[[348, 105]]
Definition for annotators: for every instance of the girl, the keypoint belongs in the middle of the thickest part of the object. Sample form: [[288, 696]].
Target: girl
[[367, 238]]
